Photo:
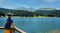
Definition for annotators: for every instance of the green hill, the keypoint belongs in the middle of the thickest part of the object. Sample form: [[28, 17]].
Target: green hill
[[49, 12]]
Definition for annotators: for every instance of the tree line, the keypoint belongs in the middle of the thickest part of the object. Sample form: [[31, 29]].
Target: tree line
[[25, 13]]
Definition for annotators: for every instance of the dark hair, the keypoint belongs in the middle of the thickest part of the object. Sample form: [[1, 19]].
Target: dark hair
[[9, 15]]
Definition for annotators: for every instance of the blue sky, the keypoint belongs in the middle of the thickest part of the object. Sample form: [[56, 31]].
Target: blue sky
[[14, 4]]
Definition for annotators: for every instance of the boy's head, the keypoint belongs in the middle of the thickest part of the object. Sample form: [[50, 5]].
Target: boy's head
[[9, 15]]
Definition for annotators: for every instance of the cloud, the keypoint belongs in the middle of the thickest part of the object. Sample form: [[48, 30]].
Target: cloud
[[50, 1]]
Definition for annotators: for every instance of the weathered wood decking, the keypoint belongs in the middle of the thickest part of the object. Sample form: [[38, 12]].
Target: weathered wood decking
[[17, 29]]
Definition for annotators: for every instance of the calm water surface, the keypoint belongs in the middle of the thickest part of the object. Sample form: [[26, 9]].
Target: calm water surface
[[34, 25]]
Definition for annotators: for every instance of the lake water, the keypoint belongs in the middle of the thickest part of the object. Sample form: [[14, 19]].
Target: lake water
[[34, 25]]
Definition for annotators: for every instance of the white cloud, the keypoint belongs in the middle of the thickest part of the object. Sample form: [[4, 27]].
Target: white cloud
[[50, 1]]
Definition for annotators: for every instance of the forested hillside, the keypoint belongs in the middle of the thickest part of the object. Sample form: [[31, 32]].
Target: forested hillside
[[26, 13]]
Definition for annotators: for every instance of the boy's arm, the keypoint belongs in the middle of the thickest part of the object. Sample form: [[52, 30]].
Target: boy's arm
[[12, 26]]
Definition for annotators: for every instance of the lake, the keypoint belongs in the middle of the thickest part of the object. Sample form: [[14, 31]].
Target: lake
[[35, 25]]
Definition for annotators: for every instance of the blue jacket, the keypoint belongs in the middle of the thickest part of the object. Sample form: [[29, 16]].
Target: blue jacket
[[8, 24]]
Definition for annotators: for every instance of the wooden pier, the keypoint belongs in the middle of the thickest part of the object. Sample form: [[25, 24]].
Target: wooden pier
[[17, 29]]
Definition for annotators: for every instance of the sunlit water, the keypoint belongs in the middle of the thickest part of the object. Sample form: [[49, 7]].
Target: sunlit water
[[34, 25]]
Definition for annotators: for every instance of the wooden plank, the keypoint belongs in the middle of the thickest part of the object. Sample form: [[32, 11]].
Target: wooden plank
[[19, 30]]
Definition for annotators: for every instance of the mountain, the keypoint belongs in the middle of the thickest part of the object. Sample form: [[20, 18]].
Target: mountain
[[22, 8], [16, 12], [47, 9], [28, 12]]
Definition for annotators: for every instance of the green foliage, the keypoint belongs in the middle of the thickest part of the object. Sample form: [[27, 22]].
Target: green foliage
[[25, 13], [2, 14]]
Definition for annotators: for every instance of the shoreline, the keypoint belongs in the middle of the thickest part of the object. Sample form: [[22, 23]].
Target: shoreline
[[29, 17]]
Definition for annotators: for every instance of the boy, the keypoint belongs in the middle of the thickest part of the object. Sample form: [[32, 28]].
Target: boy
[[9, 24]]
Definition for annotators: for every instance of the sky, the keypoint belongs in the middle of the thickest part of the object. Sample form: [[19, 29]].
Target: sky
[[35, 4]]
